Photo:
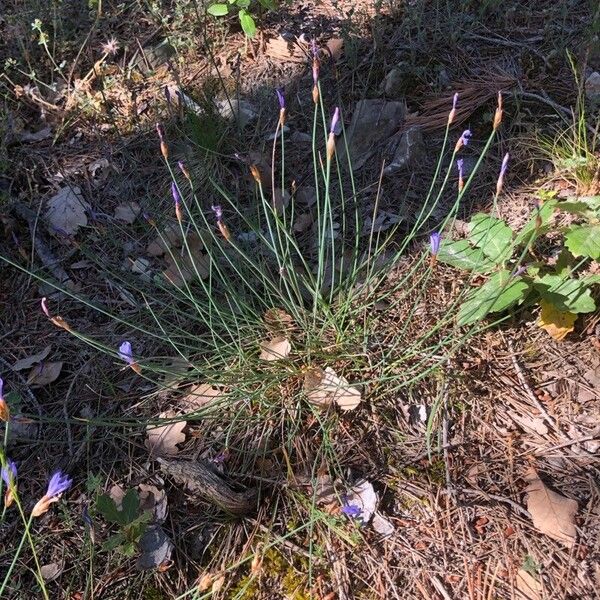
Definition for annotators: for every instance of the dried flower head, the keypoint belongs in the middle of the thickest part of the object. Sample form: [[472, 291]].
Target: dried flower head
[[9, 476], [281, 99], [177, 199], [452, 113], [110, 47], [183, 168], [315, 71], [164, 149], [463, 140], [500, 182], [498, 113], [126, 354], [59, 483], [331, 140], [56, 319], [461, 181], [4, 410]]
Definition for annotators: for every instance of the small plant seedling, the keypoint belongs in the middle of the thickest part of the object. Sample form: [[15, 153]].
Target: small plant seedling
[[247, 21], [131, 521]]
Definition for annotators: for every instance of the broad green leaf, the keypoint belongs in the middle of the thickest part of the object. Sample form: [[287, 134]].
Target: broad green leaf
[[567, 295], [218, 10], [106, 506], [113, 541], [242, 3], [247, 22], [590, 279], [270, 4], [462, 255], [584, 240], [128, 549], [540, 219], [500, 292], [130, 506], [493, 236]]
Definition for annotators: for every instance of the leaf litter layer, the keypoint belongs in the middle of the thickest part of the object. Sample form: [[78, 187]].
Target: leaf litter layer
[[422, 445]]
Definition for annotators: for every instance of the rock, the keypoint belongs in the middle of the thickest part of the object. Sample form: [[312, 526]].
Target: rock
[[407, 149], [299, 137], [592, 88], [154, 57], [373, 122], [241, 111], [393, 84]]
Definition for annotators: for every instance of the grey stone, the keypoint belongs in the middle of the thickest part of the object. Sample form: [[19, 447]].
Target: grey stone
[[373, 122], [407, 148], [154, 56], [592, 88], [233, 109], [393, 84]]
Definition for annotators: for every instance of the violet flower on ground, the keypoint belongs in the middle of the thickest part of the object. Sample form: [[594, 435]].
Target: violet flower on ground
[[4, 410], [59, 483], [503, 168], [126, 354], [9, 476], [463, 140], [434, 243], [281, 99], [351, 510], [332, 128], [177, 199]]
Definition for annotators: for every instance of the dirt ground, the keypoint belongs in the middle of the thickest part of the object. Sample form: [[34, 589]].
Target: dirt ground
[[510, 399]]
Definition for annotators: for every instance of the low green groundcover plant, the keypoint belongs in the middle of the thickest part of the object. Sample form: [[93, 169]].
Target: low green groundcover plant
[[244, 10], [517, 273]]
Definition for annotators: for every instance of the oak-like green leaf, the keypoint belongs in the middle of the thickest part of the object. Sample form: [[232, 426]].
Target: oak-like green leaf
[[499, 293], [462, 255], [493, 236], [567, 295], [584, 240], [218, 10], [247, 23]]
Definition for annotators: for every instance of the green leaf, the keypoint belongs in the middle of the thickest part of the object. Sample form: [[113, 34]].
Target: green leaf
[[218, 10], [242, 3], [493, 236], [462, 255], [500, 292], [568, 295], [247, 22], [113, 541], [269, 4], [130, 506], [584, 240], [540, 219], [128, 549], [106, 506]]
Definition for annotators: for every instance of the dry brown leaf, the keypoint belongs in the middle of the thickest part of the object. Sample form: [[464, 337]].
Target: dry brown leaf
[[323, 387], [557, 323], [528, 586], [335, 47], [218, 583], [52, 570], [65, 211], [551, 513], [200, 395], [127, 212], [205, 582], [163, 440], [117, 493], [153, 499], [29, 361], [278, 321], [530, 423], [303, 222], [275, 349], [289, 51], [44, 373]]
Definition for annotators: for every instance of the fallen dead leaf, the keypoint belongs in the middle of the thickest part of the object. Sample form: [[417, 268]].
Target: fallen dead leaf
[[218, 583], [382, 525], [363, 496], [303, 222], [205, 582], [530, 423], [51, 571], [323, 387], [44, 373], [65, 211], [163, 440], [557, 323], [551, 513], [187, 264], [127, 212], [29, 361], [278, 322], [528, 586], [117, 493], [275, 349], [153, 499], [200, 395]]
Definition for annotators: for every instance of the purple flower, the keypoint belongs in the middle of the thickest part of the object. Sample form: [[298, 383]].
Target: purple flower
[[459, 165], [1, 388], [9, 473], [58, 484], [125, 353], [334, 121], [218, 210], [504, 165], [454, 101], [435, 240], [466, 137], [519, 271], [175, 193], [160, 130], [351, 510], [281, 98]]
